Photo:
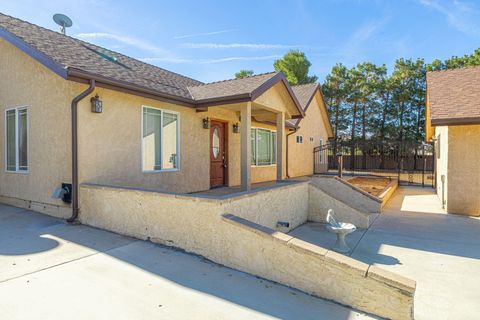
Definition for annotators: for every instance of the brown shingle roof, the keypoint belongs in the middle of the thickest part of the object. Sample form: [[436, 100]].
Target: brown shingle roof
[[304, 93], [77, 60], [454, 96], [230, 88], [73, 53]]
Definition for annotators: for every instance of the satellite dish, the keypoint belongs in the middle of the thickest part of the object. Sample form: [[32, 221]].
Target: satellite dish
[[63, 21]]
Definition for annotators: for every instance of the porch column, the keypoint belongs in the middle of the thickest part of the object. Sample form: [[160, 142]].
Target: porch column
[[280, 144], [246, 145]]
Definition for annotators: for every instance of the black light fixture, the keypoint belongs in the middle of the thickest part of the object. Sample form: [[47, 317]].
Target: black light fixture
[[236, 128], [206, 123], [97, 104]]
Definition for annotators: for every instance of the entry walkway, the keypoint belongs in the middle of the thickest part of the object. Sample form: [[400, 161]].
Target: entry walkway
[[51, 270], [414, 237]]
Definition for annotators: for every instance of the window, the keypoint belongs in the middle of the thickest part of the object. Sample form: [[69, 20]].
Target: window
[[299, 139], [16, 143], [160, 140], [311, 140], [264, 147]]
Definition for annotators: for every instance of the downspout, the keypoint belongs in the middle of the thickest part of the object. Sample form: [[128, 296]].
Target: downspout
[[286, 162], [74, 108]]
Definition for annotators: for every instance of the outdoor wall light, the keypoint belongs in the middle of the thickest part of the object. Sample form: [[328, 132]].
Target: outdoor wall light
[[97, 104], [236, 128], [206, 123]]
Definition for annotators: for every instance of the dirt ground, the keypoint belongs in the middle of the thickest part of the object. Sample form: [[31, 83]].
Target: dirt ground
[[374, 186]]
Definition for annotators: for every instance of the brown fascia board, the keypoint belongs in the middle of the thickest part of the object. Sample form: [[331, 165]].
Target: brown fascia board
[[34, 53], [81, 76], [270, 83], [85, 77], [104, 82], [245, 97], [201, 104], [319, 88], [454, 121]]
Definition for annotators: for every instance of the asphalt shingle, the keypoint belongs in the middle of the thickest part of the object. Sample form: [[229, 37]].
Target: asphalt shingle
[[74, 53], [454, 94]]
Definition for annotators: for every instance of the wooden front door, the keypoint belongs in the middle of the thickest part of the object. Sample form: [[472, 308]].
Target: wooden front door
[[218, 154]]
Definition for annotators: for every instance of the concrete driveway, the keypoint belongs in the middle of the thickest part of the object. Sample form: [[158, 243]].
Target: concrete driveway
[[51, 270], [414, 237]]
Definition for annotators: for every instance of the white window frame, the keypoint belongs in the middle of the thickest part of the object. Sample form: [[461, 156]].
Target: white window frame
[[161, 139], [17, 149], [297, 139], [256, 148]]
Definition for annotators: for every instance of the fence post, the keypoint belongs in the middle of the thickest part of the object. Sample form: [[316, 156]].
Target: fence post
[[340, 165], [424, 166]]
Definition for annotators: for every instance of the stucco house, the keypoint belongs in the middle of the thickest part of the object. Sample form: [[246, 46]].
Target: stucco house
[[453, 122], [75, 112], [311, 131]]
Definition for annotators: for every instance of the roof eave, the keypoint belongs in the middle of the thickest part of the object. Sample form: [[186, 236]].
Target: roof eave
[[126, 87], [327, 120], [34, 53], [455, 121], [273, 81], [244, 97]]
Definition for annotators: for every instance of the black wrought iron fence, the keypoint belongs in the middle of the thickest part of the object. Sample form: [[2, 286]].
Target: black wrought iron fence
[[412, 163]]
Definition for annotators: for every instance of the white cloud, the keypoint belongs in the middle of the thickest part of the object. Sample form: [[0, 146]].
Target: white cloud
[[253, 46], [208, 61], [460, 15], [202, 34]]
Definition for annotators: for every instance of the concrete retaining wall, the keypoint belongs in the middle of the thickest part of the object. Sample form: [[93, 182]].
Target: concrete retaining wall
[[249, 243], [280, 257], [320, 203], [348, 194]]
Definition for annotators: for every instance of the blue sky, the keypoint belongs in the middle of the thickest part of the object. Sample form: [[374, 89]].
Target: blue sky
[[211, 40]]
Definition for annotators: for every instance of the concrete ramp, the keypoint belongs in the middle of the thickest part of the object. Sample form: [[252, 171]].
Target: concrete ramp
[[350, 204], [313, 269]]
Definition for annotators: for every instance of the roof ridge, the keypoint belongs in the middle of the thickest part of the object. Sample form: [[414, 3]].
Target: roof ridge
[[112, 51], [233, 79], [306, 84]]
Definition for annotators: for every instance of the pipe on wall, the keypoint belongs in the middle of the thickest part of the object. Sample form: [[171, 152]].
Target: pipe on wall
[[74, 109]]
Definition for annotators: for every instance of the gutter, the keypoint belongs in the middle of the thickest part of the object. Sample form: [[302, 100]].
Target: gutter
[[286, 147], [74, 107]]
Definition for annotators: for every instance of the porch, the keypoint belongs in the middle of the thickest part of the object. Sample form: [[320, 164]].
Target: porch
[[228, 192], [262, 103]]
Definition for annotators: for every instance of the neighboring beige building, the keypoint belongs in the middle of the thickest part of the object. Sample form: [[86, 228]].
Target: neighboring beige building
[[453, 122], [157, 129]]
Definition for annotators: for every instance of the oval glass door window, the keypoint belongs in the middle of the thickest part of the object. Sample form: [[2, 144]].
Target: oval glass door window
[[215, 143]]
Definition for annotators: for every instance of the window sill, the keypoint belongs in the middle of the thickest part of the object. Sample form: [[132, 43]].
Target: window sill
[[263, 166], [162, 170], [17, 172]]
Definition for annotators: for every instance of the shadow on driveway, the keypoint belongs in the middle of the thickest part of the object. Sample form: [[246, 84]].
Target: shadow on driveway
[[42, 259]]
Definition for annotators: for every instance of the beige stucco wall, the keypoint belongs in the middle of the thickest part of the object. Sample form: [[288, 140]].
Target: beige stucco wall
[[441, 134], [110, 145], [463, 196], [110, 142], [198, 225], [24, 82], [300, 161]]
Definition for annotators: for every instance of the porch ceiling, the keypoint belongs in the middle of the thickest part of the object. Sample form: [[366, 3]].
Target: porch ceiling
[[260, 113]]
